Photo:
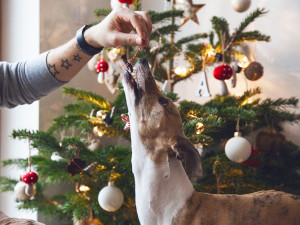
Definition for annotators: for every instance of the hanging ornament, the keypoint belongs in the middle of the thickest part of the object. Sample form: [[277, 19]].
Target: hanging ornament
[[95, 144], [167, 87], [223, 72], [253, 160], [120, 3], [203, 89], [126, 120], [254, 71], [235, 69], [56, 157], [237, 149], [240, 5], [101, 67], [30, 178], [109, 118], [269, 143], [110, 198], [219, 57], [20, 193], [75, 166], [190, 10], [97, 131], [181, 71]]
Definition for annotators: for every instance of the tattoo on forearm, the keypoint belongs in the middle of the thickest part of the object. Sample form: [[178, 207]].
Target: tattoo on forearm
[[65, 64], [77, 58], [53, 70]]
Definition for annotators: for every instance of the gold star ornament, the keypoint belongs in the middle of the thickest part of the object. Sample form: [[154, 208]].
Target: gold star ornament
[[190, 9]]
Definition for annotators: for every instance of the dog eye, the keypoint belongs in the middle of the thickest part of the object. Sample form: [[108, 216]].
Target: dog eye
[[163, 101]]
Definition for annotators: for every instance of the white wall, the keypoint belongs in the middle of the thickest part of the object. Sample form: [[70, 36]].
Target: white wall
[[20, 41]]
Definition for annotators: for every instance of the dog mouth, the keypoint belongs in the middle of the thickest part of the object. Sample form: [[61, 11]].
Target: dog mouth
[[139, 77]]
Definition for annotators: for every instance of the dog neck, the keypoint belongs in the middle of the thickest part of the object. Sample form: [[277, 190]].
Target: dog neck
[[161, 189]]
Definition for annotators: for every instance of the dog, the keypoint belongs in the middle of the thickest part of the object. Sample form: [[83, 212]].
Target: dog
[[163, 191]]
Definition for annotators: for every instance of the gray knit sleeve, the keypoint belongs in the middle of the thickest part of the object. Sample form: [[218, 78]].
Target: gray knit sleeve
[[26, 81]]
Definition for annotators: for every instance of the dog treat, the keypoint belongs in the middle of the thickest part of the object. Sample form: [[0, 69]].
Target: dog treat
[[128, 63]]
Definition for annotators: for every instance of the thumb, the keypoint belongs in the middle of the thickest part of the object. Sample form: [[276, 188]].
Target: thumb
[[127, 39]]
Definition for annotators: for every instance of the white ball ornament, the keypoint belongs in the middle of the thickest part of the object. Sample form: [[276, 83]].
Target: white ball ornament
[[240, 5], [238, 149], [20, 191], [110, 198]]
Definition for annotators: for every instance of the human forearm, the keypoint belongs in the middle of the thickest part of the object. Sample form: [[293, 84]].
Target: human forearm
[[67, 60]]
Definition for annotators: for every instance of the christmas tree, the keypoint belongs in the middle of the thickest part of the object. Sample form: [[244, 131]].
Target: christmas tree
[[72, 153]]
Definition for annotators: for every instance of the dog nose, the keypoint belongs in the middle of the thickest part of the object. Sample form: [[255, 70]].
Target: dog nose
[[143, 61]]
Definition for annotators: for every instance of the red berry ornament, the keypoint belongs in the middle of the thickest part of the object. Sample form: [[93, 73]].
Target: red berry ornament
[[223, 72], [30, 178], [101, 66], [129, 2]]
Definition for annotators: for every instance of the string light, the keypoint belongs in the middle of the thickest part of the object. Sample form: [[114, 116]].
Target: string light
[[97, 131]]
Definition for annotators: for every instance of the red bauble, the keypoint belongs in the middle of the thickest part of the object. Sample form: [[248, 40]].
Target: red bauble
[[129, 2], [253, 160], [101, 66], [30, 178], [223, 72]]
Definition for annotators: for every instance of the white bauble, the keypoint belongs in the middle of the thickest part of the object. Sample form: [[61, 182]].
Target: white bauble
[[238, 149], [101, 78], [20, 191], [115, 4], [95, 143], [240, 5], [110, 198], [56, 157]]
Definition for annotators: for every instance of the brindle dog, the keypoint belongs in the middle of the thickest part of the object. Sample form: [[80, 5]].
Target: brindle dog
[[164, 193]]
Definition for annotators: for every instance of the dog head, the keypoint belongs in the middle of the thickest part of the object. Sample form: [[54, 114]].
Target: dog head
[[157, 121]]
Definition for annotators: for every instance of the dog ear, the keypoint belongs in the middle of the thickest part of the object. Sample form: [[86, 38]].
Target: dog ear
[[184, 149]]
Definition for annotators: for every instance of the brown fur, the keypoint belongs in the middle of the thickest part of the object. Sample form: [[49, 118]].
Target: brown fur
[[161, 132], [259, 208]]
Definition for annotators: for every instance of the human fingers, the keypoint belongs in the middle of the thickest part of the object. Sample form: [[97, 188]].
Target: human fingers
[[147, 20], [127, 18], [118, 38]]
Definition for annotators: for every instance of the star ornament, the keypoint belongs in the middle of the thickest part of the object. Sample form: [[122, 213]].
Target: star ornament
[[190, 10]]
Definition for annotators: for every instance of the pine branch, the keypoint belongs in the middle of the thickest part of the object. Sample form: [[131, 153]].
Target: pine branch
[[249, 19], [251, 36], [191, 38], [65, 122], [41, 140], [159, 16], [7, 184], [166, 30], [221, 27], [87, 96]]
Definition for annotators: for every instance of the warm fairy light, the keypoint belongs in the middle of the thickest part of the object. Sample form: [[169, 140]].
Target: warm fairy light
[[247, 101], [198, 132], [97, 131], [243, 61], [199, 125], [181, 71], [83, 188], [209, 54], [192, 114]]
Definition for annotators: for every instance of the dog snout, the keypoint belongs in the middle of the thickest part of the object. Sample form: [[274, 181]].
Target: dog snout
[[143, 61]]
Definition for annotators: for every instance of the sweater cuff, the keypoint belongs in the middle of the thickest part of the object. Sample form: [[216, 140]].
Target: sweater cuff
[[40, 77]]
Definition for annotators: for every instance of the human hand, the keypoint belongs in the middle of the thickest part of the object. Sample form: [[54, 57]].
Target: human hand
[[115, 29]]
